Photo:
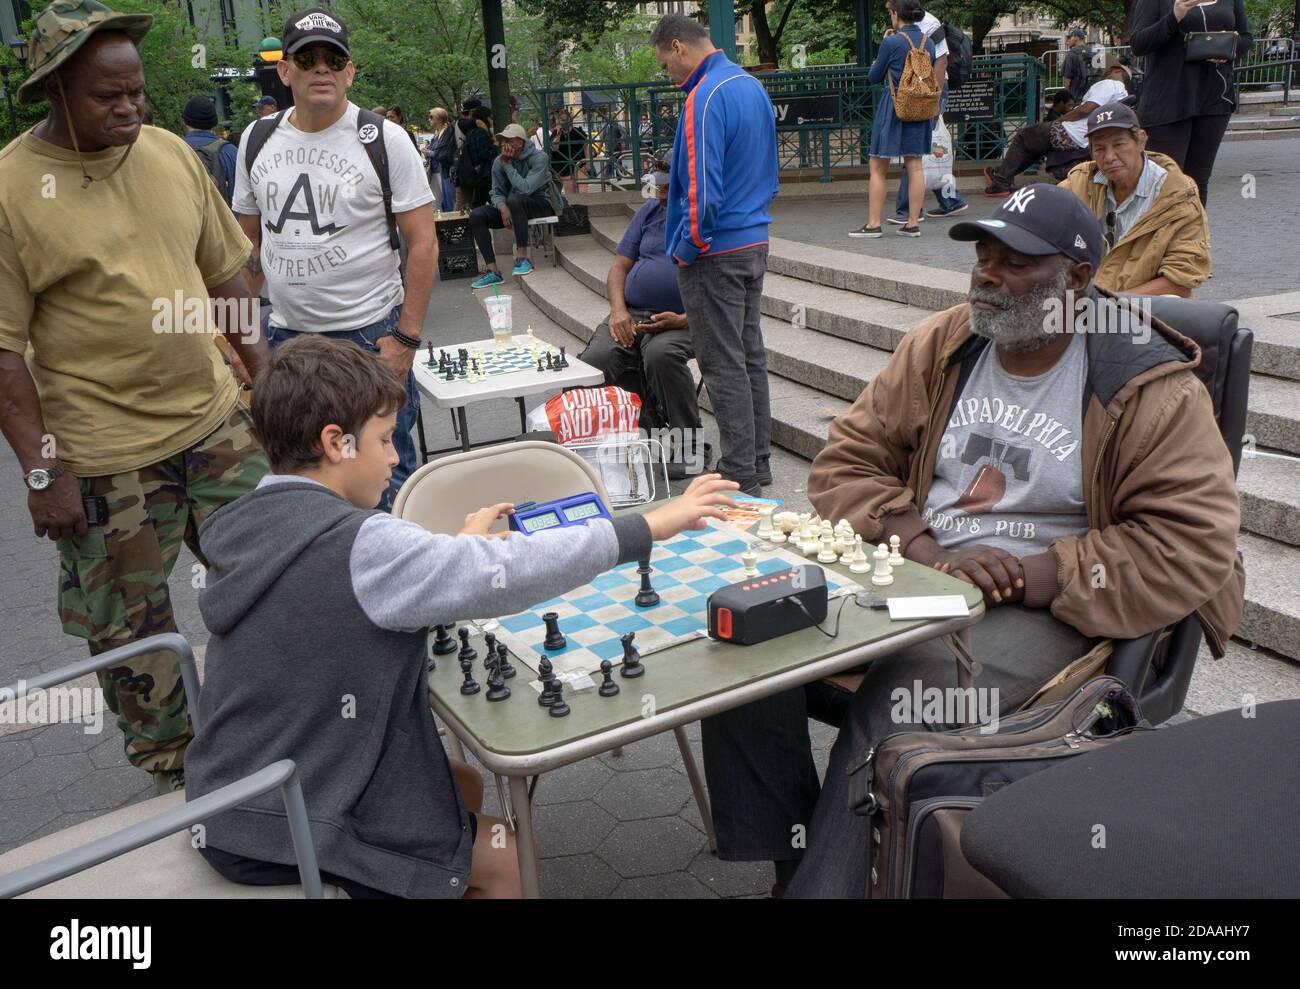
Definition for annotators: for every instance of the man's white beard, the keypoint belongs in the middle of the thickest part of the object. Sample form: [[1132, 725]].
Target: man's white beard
[[1021, 325]]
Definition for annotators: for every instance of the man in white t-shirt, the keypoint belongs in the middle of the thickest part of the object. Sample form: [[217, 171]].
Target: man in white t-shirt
[[1070, 132], [312, 205]]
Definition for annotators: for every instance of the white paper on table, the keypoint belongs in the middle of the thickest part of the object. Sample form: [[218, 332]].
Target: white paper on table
[[927, 606]]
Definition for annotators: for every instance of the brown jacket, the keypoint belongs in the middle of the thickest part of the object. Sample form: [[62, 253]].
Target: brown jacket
[[1159, 488], [1172, 238]]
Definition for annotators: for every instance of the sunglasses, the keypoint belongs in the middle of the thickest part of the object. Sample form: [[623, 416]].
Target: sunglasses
[[335, 61]]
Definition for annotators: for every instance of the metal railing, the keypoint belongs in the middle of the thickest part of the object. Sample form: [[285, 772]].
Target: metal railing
[[612, 151], [282, 776], [1263, 65]]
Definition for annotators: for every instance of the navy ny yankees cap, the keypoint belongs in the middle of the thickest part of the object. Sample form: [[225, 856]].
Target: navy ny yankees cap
[[1040, 219], [312, 25], [1113, 115]]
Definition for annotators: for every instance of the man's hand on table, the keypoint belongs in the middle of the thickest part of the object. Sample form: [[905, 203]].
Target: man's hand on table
[[995, 572], [478, 523], [706, 497]]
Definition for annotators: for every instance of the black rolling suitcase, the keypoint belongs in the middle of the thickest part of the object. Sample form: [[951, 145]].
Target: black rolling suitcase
[[919, 786]]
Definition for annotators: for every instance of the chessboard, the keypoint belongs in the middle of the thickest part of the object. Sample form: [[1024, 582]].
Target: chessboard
[[685, 570], [481, 363]]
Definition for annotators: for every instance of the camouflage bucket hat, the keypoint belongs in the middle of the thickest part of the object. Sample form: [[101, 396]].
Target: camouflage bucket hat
[[62, 28]]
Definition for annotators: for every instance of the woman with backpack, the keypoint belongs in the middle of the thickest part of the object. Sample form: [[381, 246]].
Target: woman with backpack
[[473, 169], [905, 63]]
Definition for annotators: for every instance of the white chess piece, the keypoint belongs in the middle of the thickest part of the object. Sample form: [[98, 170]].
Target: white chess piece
[[883, 577], [895, 557], [765, 530], [827, 554], [860, 563], [750, 559]]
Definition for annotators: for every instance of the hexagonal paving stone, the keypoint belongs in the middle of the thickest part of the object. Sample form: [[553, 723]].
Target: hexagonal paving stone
[[46, 774], [104, 789], [634, 796], [14, 752], [653, 847], [571, 829], [580, 781], [61, 739], [671, 886], [732, 878], [577, 877], [649, 753], [22, 817]]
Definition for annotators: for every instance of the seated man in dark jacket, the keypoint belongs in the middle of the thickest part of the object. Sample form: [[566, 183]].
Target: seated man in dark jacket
[[644, 345], [521, 190]]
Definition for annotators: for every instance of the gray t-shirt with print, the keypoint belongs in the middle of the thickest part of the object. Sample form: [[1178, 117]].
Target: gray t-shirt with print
[[1008, 472]]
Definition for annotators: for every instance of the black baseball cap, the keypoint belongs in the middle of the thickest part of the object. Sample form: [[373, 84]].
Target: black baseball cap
[[1040, 219], [315, 24], [1113, 115]]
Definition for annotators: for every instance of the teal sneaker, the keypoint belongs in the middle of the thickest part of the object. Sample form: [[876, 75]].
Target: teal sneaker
[[487, 279], [523, 266]]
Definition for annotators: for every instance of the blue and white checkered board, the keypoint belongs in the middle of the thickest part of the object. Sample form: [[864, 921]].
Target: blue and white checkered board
[[503, 360], [685, 571]]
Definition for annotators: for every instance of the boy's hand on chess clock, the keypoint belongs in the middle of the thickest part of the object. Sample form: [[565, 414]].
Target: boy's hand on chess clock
[[478, 523], [707, 497]]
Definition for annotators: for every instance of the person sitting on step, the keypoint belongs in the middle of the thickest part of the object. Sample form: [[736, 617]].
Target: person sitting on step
[[521, 190], [644, 344], [1156, 233]]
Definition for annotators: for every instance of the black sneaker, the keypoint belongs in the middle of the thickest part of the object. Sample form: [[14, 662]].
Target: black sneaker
[[677, 470], [750, 487], [763, 471], [865, 231]]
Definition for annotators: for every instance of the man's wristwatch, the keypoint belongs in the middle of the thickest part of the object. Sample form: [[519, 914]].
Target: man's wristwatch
[[41, 478]]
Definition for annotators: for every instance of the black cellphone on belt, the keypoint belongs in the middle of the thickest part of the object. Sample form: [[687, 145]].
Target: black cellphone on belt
[[96, 507]]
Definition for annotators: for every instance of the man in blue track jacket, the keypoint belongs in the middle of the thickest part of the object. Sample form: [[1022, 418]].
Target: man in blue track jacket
[[724, 176]]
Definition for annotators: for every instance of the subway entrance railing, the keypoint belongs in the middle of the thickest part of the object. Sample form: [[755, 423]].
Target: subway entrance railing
[[823, 119]]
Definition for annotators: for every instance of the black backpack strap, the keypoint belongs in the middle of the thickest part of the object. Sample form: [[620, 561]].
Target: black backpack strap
[[257, 137], [373, 142]]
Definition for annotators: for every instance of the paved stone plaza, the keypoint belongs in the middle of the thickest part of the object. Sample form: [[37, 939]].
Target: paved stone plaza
[[626, 825]]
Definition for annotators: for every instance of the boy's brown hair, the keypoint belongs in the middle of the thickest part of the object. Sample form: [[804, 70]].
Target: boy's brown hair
[[312, 382]]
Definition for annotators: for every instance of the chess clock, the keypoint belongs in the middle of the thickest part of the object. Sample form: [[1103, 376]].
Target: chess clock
[[577, 509]]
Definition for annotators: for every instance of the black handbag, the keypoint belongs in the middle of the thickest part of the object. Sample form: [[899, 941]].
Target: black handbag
[[1207, 46]]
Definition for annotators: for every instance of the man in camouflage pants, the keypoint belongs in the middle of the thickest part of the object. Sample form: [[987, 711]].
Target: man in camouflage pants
[[114, 245]]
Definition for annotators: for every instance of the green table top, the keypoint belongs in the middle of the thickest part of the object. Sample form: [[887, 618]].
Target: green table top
[[674, 677]]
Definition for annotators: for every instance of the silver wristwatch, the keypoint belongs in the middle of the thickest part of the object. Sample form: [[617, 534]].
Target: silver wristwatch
[[42, 477]]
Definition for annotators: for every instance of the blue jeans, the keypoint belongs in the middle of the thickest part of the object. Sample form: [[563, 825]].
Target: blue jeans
[[367, 337]]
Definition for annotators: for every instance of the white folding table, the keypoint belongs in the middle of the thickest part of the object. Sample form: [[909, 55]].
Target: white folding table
[[460, 394]]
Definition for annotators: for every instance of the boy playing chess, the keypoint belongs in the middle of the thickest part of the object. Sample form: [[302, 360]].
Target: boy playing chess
[[319, 609]]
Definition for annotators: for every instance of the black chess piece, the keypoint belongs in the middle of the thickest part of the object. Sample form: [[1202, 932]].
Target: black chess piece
[[558, 707], [608, 688], [497, 689], [647, 597], [632, 665], [430, 353], [555, 639], [503, 661], [443, 643], [489, 649], [563, 361], [549, 364], [467, 652], [451, 372], [546, 673], [470, 686], [539, 364]]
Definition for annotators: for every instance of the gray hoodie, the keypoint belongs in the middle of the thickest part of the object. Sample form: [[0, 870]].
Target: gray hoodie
[[318, 612]]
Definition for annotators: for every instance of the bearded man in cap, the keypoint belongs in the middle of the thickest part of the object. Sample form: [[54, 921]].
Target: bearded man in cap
[[1027, 454], [114, 242]]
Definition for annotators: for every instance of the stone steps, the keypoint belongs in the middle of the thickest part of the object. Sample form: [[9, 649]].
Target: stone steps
[[818, 369]]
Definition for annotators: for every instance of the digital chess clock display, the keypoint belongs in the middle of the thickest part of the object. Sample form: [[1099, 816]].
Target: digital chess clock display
[[584, 511], [530, 517], [536, 523]]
